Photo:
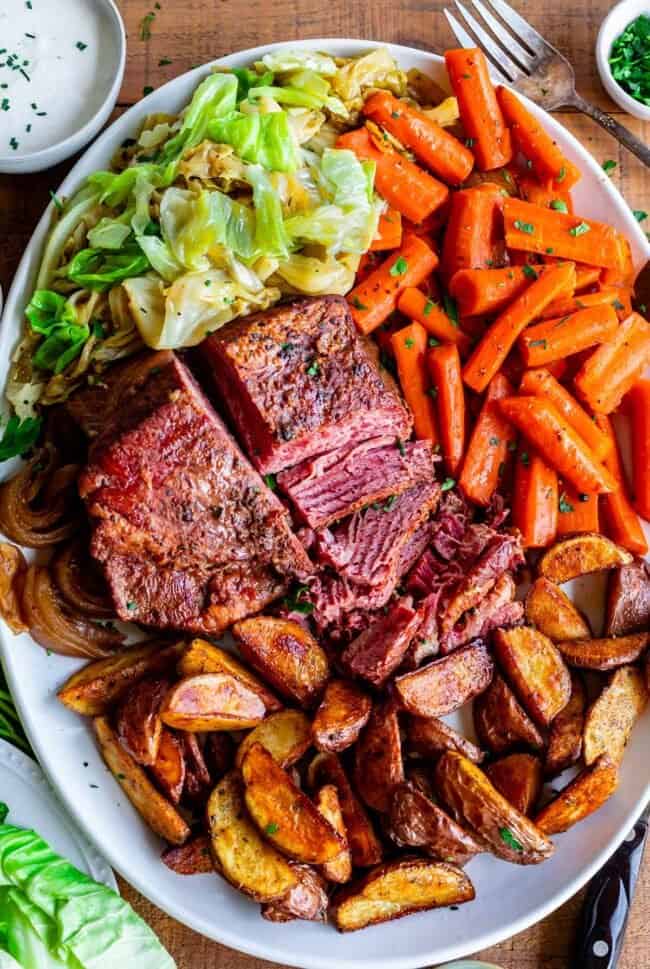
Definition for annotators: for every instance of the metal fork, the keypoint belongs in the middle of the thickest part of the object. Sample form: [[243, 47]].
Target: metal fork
[[520, 57]]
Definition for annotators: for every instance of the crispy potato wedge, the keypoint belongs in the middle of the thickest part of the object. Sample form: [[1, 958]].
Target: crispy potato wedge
[[579, 555], [604, 654], [421, 779], [137, 721], [285, 734], [203, 657], [474, 801], [306, 900], [283, 813], [398, 888], [168, 769], [378, 764], [339, 869], [446, 684], [500, 721], [416, 822], [192, 858], [550, 610], [428, 737], [198, 782], [565, 736], [365, 847], [341, 716], [536, 671], [628, 599], [584, 795], [286, 655], [96, 687], [161, 816], [212, 701], [519, 778], [240, 853], [612, 715], [12, 574]]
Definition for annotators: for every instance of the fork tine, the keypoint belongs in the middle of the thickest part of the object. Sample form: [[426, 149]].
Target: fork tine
[[506, 39], [522, 29], [465, 40], [493, 50]]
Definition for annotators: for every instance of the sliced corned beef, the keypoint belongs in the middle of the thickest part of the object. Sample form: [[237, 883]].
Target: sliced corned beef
[[379, 649], [298, 380], [424, 644], [325, 489], [414, 548], [495, 609]]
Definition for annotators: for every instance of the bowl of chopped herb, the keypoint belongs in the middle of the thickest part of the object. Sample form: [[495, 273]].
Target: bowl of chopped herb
[[623, 56]]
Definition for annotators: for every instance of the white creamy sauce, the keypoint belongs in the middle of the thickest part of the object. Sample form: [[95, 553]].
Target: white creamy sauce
[[57, 63]]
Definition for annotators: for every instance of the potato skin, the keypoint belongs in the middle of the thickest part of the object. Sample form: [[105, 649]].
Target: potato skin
[[416, 822], [536, 670], [211, 701], [192, 858], [628, 599], [519, 778], [168, 770], [474, 801], [428, 737], [307, 899], [446, 684], [137, 720], [612, 715], [378, 764], [550, 610], [285, 734], [203, 657], [565, 736], [500, 721], [341, 716], [604, 654], [198, 782], [579, 555], [584, 795], [327, 801]]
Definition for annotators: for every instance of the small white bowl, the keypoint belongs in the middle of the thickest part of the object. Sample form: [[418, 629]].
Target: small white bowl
[[113, 34], [619, 17]]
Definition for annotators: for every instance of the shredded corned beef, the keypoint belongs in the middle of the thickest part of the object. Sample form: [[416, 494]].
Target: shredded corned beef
[[379, 649]]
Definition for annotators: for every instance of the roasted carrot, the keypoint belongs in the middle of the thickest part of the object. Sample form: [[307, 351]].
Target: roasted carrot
[[410, 346], [474, 229], [586, 276], [545, 194], [417, 306], [611, 370], [557, 442], [499, 339], [480, 291], [389, 231], [491, 442], [404, 185], [624, 273], [559, 338], [640, 414], [540, 383], [620, 298], [376, 297], [620, 519], [578, 511], [534, 499], [534, 229], [606, 296], [444, 367], [478, 106], [430, 143]]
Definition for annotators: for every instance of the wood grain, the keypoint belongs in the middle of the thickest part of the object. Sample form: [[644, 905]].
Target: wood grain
[[189, 32]]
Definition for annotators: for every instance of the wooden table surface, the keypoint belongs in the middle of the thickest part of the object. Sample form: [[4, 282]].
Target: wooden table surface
[[189, 32]]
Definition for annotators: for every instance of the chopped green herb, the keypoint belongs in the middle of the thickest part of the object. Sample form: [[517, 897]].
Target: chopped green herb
[[395, 114], [530, 272], [564, 505], [399, 444], [470, 142], [583, 497], [579, 230], [81, 46], [524, 457], [561, 175], [272, 828], [451, 309], [57, 201], [538, 343], [629, 59], [132, 606], [164, 61], [609, 165], [639, 215], [271, 481], [560, 206], [432, 392], [31, 36], [509, 839], [145, 25], [147, 89], [433, 342], [297, 600], [618, 305], [313, 369], [494, 442], [399, 267], [13, 143], [358, 305], [5, 104], [409, 342], [549, 249], [526, 227], [428, 306], [448, 484]]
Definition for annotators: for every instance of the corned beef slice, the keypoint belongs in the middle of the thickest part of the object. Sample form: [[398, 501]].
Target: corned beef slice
[[379, 650], [188, 534], [298, 380]]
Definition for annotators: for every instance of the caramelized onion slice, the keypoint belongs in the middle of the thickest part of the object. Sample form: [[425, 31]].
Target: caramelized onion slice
[[12, 574], [79, 581], [39, 506]]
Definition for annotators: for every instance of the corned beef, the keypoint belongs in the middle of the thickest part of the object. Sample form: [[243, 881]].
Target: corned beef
[[496, 609], [379, 649]]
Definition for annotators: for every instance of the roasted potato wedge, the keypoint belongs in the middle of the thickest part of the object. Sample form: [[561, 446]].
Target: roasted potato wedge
[[428, 737], [285, 734], [550, 610], [604, 654], [341, 716], [584, 795], [519, 778], [137, 720], [192, 858], [378, 764], [161, 816], [306, 900], [168, 769], [500, 721], [416, 822], [96, 687], [628, 599], [203, 657], [474, 801], [536, 671], [398, 888], [286, 655], [240, 853], [612, 715], [579, 555], [12, 574], [286, 816], [446, 684], [565, 736], [365, 846], [211, 701], [339, 869]]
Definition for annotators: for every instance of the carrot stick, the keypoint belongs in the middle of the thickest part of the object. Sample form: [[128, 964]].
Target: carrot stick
[[611, 370], [474, 229], [606, 296], [540, 383], [480, 291], [410, 346], [586, 276], [444, 367], [489, 446], [534, 499], [417, 306], [559, 338], [389, 231], [640, 414], [621, 299], [578, 511], [407, 188], [624, 274], [430, 143], [534, 229], [478, 106], [545, 195], [497, 342], [621, 521], [373, 300], [547, 430]]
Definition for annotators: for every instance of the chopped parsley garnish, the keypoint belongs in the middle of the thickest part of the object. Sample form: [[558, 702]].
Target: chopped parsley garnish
[[538, 343], [565, 506], [579, 230], [448, 484], [428, 306], [433, 342], [313, 369], [451, 309], [395, 114], [609, 166], [358, 305], [629, 59], [530, 272], [399, 444], [494, 442], [561, 175], [31, 36], [164, 61], [13, 143], [469, 142], [81, 46], [57, 201], [509, 839], [270, 481], [132, 606], [618, 305], [272, 828], [147, 89], [409, 342], [525, 458], [560, 206], [399, 267], [549, 249], [432, 392], [5, 104], [526, 227], [639, 215], [297, 600], [145, 25]]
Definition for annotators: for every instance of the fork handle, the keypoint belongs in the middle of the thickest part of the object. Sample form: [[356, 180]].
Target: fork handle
[[618, 131]]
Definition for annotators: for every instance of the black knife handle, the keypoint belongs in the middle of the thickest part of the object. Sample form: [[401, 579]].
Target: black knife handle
[[607, 904]]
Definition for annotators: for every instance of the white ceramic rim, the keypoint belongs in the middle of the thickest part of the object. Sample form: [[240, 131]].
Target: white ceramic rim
[[281, 953], [612, 26]]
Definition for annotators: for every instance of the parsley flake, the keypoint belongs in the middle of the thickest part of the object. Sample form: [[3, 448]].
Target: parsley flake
[[526, 227], [399, 267], [448, 484], [271, 481], [272, 828], [565, 506], [560, 206], [609, 166], [509, 839], [579, 230], [530, 272]]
